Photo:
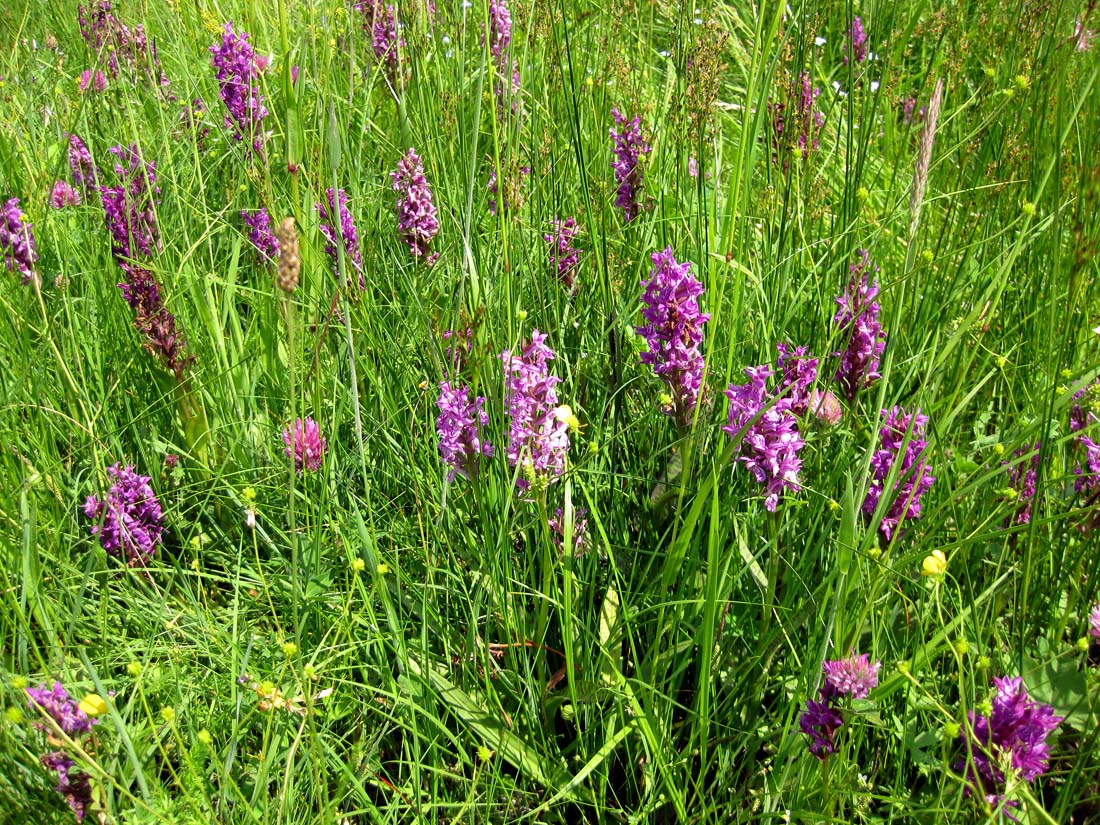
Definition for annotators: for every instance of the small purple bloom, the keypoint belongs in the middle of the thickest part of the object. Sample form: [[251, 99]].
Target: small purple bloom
[[108, 36], [17, 241], [380, 21], [556, 523], [338, 225], [305, 444], [859, 325], [459, 425], [63, 194], [128, 521], [1015, 732], [769, 447], [97, 81], [500, 29], [858, 38], [820, 721], [674, 332], [854, 676], [539, 429], [630, 149], [913, 477], [799, 112], [1094, 622], [798, 369], [237, 71], [80, 161], [1022, 475], [154, 320], [563, 255], [416, 216], [74, 786], [259, 232], [56, 703], [129, 208]]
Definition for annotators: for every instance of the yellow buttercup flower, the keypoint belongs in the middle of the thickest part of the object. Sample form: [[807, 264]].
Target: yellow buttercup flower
[[934, 564], [93, 704]]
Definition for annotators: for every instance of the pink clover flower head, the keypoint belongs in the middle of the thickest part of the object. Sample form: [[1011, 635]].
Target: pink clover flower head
[[74, 786], [459, 429], [630, 148], [858, 38], [913, 475], [538, 431], [129, 521], [305, 444], [129, 209], [563, 255], [417, 223], [56, 703], [674, 332], [769, 447], [1094, 622], [97, 81], [820, 721], [859, 325], [17, 244], [337, 225], [237, 70], [63, 194], [1014, 733], [260, 234], [826, 407], [855, 676]]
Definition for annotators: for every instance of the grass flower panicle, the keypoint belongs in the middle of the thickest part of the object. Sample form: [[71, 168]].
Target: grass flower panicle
[[630, 149], [17, 241], [417, 223], [305, 444], [459, 428], [338, 226], [769, 447], [1013, 734], [290, 260], [859, 326], [238, 70], [674, 332], [538, 433], [129, 521], [913, 476]]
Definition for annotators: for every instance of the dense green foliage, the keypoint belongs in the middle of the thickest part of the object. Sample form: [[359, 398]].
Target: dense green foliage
[[372, 643]]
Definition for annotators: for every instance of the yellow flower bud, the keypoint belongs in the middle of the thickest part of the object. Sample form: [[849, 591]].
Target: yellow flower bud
[[934, 564], [93, 704]]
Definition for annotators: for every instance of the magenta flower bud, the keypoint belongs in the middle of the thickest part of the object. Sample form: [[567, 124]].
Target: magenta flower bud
[[63, 194], [630, 148]]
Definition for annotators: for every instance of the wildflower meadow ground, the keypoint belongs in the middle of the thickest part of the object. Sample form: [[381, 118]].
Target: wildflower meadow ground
[[514, 412]]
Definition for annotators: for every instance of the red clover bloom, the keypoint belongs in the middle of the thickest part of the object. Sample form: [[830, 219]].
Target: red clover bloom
[[859, 325], [1015, 732], [854, 676], [563, 255], [674, 332], [630, 151], [416, 217], [128, 521], [305, 444], [459, 424], [913, 476], [338, 225], [16, 240], [769, 447], [539, 429], [63, 194], [237, 71]]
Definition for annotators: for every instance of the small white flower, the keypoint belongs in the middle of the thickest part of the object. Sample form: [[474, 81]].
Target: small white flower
[[819, 41], [874, 86]]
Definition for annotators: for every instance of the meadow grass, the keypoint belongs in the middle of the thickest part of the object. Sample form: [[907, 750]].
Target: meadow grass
[[375, 642]]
